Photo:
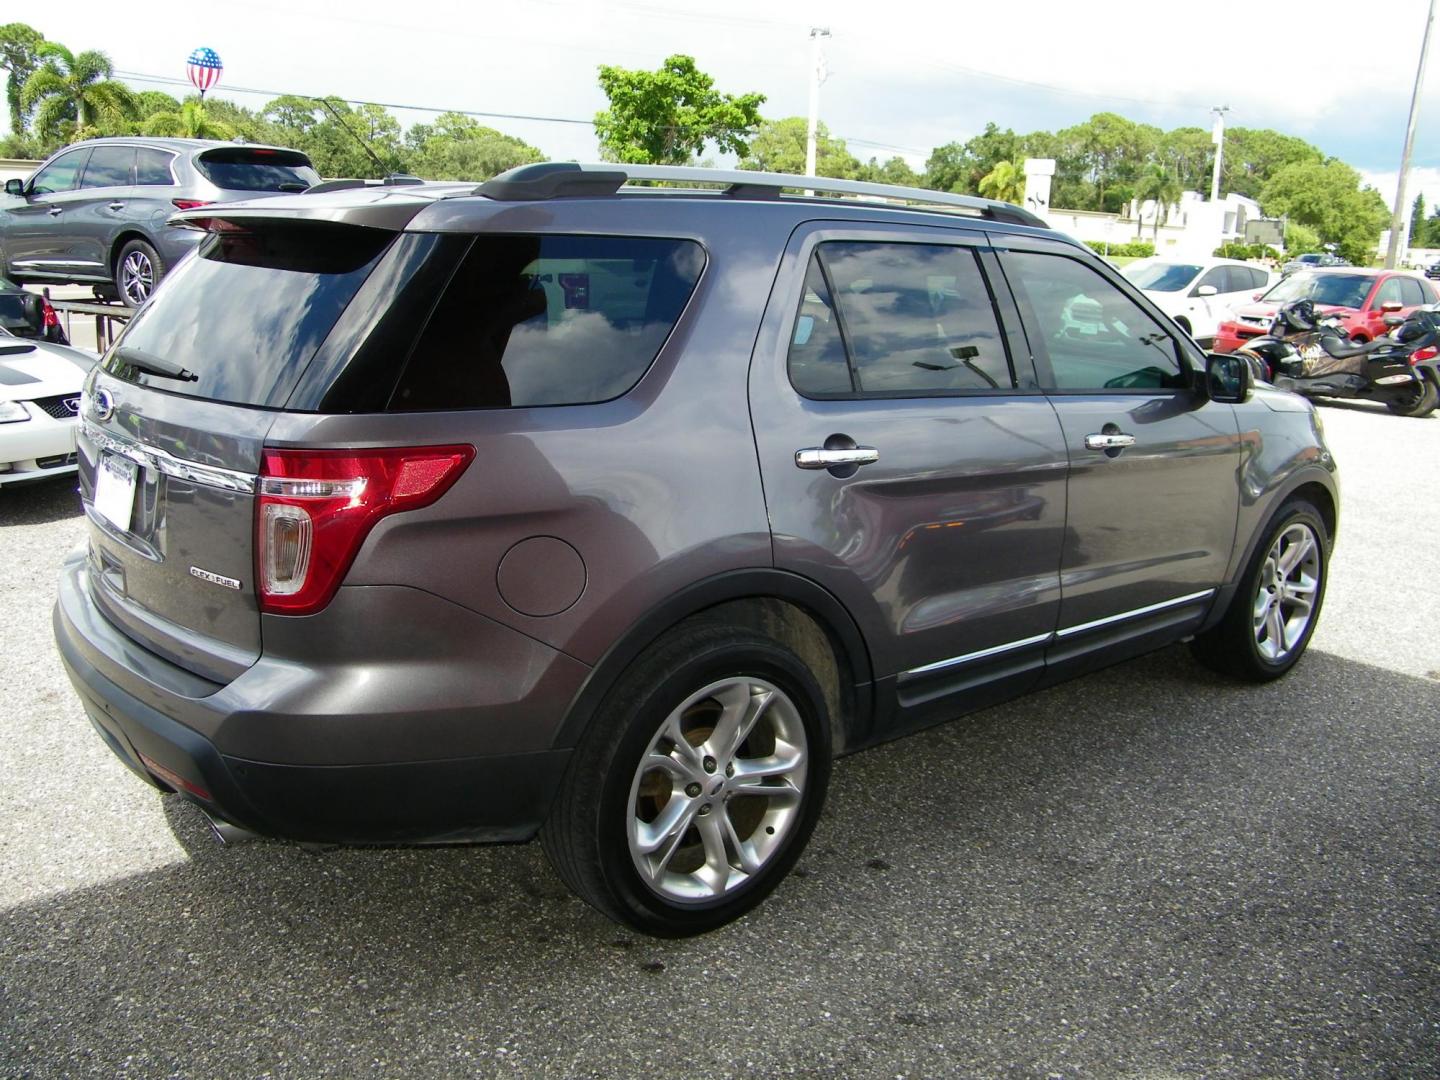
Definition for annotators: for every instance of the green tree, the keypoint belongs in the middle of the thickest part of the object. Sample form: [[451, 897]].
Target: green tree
[[1328, 198], [1299, 238], [895, 171], [341, 140], [1006, 182], [1189, 153], [1254, 155], [457, 147], [1160, 185], [19, 56], [1417, 219], [779, 146], [150, 102], [75, 94], [666, 117], [189, 121], [1110, 150], [960, 167]]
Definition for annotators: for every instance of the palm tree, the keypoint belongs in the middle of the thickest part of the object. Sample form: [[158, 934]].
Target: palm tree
[[191, 122], [1006, 182], [1161, 185], [76, 90]]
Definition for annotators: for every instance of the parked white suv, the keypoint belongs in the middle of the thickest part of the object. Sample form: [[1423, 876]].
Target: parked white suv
[[1199, 294]]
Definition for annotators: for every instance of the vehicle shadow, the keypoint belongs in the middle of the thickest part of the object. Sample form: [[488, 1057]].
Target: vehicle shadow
[[39, 502], [1149, 871]]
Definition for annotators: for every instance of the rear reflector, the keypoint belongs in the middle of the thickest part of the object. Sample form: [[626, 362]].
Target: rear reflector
[[1420, 355], [174, 779], [317, 506]]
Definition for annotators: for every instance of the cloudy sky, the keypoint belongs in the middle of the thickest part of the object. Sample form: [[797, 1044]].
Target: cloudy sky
[[904, 76]]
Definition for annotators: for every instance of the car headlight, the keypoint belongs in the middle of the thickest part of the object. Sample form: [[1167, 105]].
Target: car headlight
[[12, 412]]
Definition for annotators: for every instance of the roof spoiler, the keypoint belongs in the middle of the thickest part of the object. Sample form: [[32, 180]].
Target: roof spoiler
[[568, 179]]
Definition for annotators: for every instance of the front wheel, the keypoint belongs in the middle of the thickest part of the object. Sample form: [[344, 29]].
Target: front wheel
[[1420, 402], [137, 271], [1271, 618], [697, 785]]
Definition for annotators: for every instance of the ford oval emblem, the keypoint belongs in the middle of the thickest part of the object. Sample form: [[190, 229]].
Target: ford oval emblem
[[104, 405]]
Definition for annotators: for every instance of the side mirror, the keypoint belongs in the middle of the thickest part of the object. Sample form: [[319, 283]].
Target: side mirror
[[14, 186], [1391, 305], [1227, 378], [1205, 290], [1393, 321]]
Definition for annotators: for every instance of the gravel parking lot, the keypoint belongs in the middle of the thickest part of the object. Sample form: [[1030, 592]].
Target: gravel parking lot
[[1147, 873]]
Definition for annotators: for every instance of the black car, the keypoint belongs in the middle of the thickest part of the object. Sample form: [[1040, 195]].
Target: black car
[[1432, 269], [29, 315]]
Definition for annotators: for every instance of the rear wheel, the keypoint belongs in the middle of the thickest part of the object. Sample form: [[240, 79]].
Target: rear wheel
[[697, 785], [1421, 401], [1270, 620], [137, 271]]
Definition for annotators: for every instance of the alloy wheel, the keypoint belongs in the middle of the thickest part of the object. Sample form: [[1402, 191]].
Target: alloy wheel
[[1285, 597], [718, 790], [137, 277]]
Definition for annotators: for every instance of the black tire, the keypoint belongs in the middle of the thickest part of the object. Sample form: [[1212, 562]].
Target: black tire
[[587, 836], [131, 282], [1422, 404], [1232, 646]]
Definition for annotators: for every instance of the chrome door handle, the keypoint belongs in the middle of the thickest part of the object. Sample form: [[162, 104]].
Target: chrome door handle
[[55, 211], [117, 206], [817, 457], [1108, 441]]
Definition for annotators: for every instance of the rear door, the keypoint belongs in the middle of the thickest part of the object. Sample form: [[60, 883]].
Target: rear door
[[884, 346], [168, 465], [98, 210], [1154, 464]]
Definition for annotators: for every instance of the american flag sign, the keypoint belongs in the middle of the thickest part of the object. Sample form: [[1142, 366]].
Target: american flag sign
[[204, 69]]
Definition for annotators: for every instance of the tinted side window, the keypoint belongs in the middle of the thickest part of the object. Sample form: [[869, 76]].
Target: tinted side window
[[62, 174], [1413, 292], [917, 318], [818, 364], [1389, 291], [548, 320], [1218, 277], [1096, 337], [1259, 279], [152, 167], [109, 167]]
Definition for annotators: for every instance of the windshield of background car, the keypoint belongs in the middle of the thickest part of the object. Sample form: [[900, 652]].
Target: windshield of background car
[[242, 168], [248, 310], [1337, 290], [1161, 277]]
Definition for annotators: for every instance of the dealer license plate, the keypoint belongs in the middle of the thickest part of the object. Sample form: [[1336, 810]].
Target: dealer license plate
[[115, 490]]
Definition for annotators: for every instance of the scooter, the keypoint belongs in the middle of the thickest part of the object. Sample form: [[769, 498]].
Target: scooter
[[1312, 355]]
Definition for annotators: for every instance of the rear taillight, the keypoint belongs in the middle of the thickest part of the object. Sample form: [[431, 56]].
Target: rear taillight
[[190, 204], [47, 312], [317, 506], [1427, 353]]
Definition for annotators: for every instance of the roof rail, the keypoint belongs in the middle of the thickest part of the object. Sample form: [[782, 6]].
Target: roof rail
[[393, 180], [567, 179]]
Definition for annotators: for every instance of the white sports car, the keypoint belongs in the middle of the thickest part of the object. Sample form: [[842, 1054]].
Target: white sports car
[[39, 401]]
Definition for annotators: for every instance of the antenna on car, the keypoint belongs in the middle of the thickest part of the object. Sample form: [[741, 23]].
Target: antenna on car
[[385, 170]]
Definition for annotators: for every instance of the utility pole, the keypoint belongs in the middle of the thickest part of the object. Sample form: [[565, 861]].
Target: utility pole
[[817, 76], [1217, 136], [1392, 253]]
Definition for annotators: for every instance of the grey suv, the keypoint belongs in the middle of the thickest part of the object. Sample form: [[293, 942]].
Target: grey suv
[[613, 513], [95, 212]]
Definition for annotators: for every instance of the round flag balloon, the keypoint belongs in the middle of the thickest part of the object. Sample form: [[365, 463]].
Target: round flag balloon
[[204, 69]]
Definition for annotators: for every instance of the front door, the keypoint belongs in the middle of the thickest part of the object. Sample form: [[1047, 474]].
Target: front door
[[1154, 464], [36, 240], [911, 465], [98, 211]]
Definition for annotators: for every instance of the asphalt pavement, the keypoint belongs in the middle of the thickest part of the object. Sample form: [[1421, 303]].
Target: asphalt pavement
[[1147, 873]]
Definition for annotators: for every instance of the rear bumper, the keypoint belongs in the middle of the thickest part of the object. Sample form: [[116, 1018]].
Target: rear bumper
[[186, 731]]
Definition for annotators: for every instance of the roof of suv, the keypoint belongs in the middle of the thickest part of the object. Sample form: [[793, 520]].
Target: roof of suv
[[166, 142], [394, 202]]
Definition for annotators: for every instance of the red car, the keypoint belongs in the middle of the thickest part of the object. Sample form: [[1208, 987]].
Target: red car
[[1361, 297]]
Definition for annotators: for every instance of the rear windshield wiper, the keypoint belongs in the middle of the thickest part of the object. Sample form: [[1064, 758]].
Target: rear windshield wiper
[[152, 364]]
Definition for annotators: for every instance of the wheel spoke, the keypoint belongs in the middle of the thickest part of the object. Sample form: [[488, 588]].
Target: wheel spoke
[[1294, 555], [716, 873], [748, 861], [785, 760], [1275, 627], [783, 791], [742, 711], [668, 764], [688, 754], [674, 819]]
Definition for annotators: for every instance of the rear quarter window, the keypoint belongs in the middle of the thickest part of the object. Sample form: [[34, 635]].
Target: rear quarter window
[[548, 320]]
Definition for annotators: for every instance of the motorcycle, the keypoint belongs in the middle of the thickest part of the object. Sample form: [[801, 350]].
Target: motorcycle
[[1311, 354]]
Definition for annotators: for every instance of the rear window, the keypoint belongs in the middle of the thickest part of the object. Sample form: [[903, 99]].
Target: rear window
[[247, 312], [242, 168], [548, 320]]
